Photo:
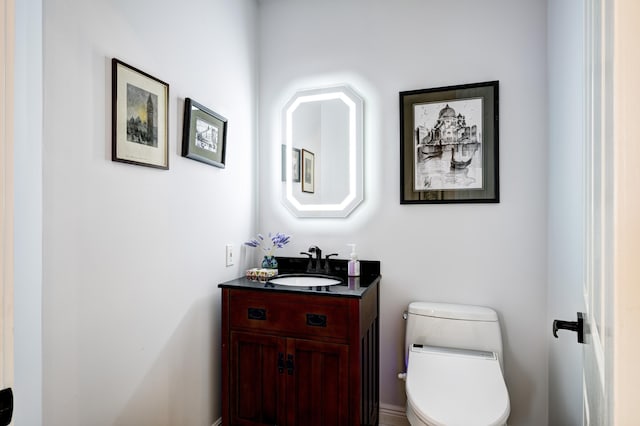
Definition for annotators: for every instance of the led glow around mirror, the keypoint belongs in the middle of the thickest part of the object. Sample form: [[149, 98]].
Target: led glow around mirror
[[354, 173]]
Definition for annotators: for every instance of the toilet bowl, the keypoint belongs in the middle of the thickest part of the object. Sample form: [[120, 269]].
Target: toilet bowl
[[448, 387], [454, 372]]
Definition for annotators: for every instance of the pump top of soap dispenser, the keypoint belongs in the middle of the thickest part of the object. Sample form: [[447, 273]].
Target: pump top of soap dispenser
[[353, 267], [353, 255]]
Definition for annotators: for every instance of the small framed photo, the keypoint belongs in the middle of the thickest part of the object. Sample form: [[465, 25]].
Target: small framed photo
[[295, 164], [308, 171], [204, 137], [449, 144], [140, 117]]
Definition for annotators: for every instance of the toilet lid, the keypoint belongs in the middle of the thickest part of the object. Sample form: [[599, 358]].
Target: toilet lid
[[456, 387]]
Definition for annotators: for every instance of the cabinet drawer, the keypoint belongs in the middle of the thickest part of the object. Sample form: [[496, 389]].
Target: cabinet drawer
[[295, 315]]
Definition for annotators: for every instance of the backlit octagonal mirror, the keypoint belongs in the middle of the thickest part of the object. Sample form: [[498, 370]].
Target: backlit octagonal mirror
[[322, 155]]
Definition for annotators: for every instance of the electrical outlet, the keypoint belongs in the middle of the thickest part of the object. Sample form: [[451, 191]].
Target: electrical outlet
[[229, 251]]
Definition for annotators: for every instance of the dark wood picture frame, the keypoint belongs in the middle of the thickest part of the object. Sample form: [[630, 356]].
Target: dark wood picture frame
[[308, 177], [204, 136], [449, 144], [140, 117]]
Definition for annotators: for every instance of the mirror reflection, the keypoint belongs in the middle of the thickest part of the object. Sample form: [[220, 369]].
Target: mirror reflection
[[322, 154]]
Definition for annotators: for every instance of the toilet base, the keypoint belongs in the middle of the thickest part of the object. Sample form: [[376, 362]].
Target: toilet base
[[415, 421]]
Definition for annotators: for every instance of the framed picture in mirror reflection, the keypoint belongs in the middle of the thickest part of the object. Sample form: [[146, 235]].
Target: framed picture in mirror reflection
[[295, 164], [308, 171]]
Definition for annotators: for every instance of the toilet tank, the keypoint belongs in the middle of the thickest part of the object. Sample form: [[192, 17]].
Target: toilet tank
[[453, 326]]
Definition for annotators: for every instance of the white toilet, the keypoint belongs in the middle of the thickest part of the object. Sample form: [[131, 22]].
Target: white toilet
[[454, 366]]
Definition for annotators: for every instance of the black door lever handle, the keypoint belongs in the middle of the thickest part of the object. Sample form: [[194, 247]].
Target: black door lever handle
[[577, 326], [6, 406]]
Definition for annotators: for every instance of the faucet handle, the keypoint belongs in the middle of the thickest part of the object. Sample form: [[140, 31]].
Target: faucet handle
[[309, 266], [327, 267]]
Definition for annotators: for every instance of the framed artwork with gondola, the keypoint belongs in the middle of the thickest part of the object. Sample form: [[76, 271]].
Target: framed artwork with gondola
[[449, 144], [204, 134]]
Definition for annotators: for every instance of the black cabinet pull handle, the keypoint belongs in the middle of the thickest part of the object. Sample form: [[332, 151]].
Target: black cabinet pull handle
[[316, 320], [577, 326], [290, 364], [280, 362], [259, 314]]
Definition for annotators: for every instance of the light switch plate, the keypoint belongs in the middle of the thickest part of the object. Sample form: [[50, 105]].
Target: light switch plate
[[229, 254]]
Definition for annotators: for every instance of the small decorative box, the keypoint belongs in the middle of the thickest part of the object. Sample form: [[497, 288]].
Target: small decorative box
[[260, 274]]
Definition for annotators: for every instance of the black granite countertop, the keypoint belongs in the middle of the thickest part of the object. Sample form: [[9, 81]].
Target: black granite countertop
[[350, 286]]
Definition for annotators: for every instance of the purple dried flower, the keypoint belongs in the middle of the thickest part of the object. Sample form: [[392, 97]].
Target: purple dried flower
[[278, 240], [252, 243]]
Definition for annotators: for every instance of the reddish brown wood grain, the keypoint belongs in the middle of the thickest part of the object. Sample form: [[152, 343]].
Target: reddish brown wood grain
[[334, 379]]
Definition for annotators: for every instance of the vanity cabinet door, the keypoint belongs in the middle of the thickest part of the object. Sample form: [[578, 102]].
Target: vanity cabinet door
[[318, 389], [257, 380]]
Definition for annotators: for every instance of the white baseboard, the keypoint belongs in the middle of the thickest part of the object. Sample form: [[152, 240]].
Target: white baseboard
[[392, 415], [217, 422]]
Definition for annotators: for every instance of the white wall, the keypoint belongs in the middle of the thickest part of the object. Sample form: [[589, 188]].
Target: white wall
[[566, 221], [28, 214], [132, 255], [486, 254]]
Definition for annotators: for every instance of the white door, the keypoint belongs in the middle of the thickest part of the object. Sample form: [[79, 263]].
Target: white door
[[6, 204], [585, 151], [598, 167]]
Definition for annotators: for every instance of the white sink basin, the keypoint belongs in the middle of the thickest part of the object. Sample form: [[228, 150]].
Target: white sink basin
[[305, 281]]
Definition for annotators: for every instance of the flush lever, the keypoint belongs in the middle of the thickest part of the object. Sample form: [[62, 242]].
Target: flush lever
[[577, 326]]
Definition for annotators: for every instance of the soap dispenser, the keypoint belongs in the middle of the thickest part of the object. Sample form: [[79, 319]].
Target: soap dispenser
[[353, 267]]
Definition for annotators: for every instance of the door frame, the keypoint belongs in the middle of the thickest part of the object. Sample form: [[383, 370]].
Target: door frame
[[626, 230], [7, 43]]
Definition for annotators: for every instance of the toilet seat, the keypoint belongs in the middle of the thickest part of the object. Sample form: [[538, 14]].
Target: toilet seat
[[452, 387]]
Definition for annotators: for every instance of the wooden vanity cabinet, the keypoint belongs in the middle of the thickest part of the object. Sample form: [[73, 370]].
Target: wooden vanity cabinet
[[299, 358]]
